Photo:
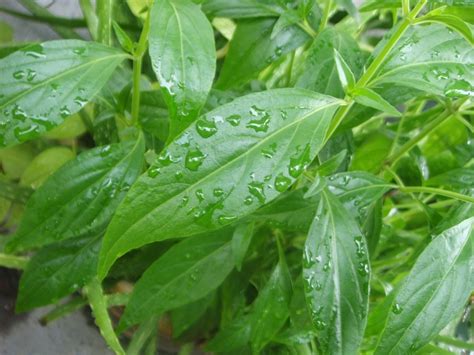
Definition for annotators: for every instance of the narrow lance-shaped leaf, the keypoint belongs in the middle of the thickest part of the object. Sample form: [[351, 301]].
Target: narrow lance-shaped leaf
[[58, 270], [434, 292], [271, 308], [230, 162], [336, 274], [370, 98], [182, 52], [184, 274], [240, 242], [346, 76], [430, 58], [80, 197], [239, 8], [42, 84]]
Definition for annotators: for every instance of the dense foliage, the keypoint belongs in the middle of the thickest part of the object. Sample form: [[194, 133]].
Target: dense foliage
[[256, 176]]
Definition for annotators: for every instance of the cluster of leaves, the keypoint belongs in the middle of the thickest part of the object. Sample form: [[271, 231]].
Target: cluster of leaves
[[271, 176]]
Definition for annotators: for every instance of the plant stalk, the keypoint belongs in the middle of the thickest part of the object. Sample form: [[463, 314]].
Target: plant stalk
[[90, 16], [98, 304], [374, 66], [104, 10], [13, 262]]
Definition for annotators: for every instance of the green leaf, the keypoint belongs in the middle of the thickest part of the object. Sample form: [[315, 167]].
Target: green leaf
[[240, 242], [372, 152], [319, 71], [225, 166], [271, 308], [336, 274], [238, 8], [183, 55], [233, 337], [370, 98], [125, 41], [45, 164], [431, 59], [183, 317], [462, 178], [42, 84], [185, 273], [58, 270], [346, 76], [435, 291], [332, 164], [252, 50], [450, 21], [80, 197]]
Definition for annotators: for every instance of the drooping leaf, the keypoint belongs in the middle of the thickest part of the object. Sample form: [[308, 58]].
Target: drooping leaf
[[252, 49], [58, 270], [185, 273], [80, 197], [319, 72], [182, 51], [432, 59], [240, 242], [42, 84], [271, 308], [434, 292], [226, 165], [336, 274]]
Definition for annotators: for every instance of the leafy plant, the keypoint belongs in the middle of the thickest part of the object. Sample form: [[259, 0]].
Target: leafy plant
[[306, 188]]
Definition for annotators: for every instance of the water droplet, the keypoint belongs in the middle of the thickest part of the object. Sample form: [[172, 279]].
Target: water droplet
[[278, 51], [79, 50], [31, 74], [327, 266], [282, 183], [80, 101], [153, 172], [218, 192], [260, 124], [258, 190], [363, 269], [194, 159], [24, 134], [360, 247], [223, 220], [35, 51], [299, 163], [397, 309], [193, 277], [248, 200], [19, 114], [206, 128], [19, 74], [64, 112], [105, 151], [459, 88], [200, 195], [184, 201], [269, 151], [234, 120], [178, 175]]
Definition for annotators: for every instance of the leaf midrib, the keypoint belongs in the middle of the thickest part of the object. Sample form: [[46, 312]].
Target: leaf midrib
[[216, 171], [56, 77]]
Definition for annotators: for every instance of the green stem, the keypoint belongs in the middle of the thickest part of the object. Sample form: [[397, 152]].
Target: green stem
[[325, 17], [63, 310], [454, 342], [375, 65], [52, 20], [436, 191], [98, 304], [38, 10], [13, 262], [90, 16], [430, 127], [137, 69], [142, 335], [104, 10]]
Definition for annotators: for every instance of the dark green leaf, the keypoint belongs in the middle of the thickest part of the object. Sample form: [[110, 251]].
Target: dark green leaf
[[226, 165], [58, 270], [271, 308], [336, 274], [240, 242], [80, 197], [125, 41], [42, 84], [233, 337], [252, 50], [332, 164], [182, 52], [183, 317], [434, 292], [319, 71], [184, 274]]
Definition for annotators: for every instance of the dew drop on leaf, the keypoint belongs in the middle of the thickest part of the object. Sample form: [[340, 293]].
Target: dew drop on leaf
[[206, 128], [282, 183], [194, 159]]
